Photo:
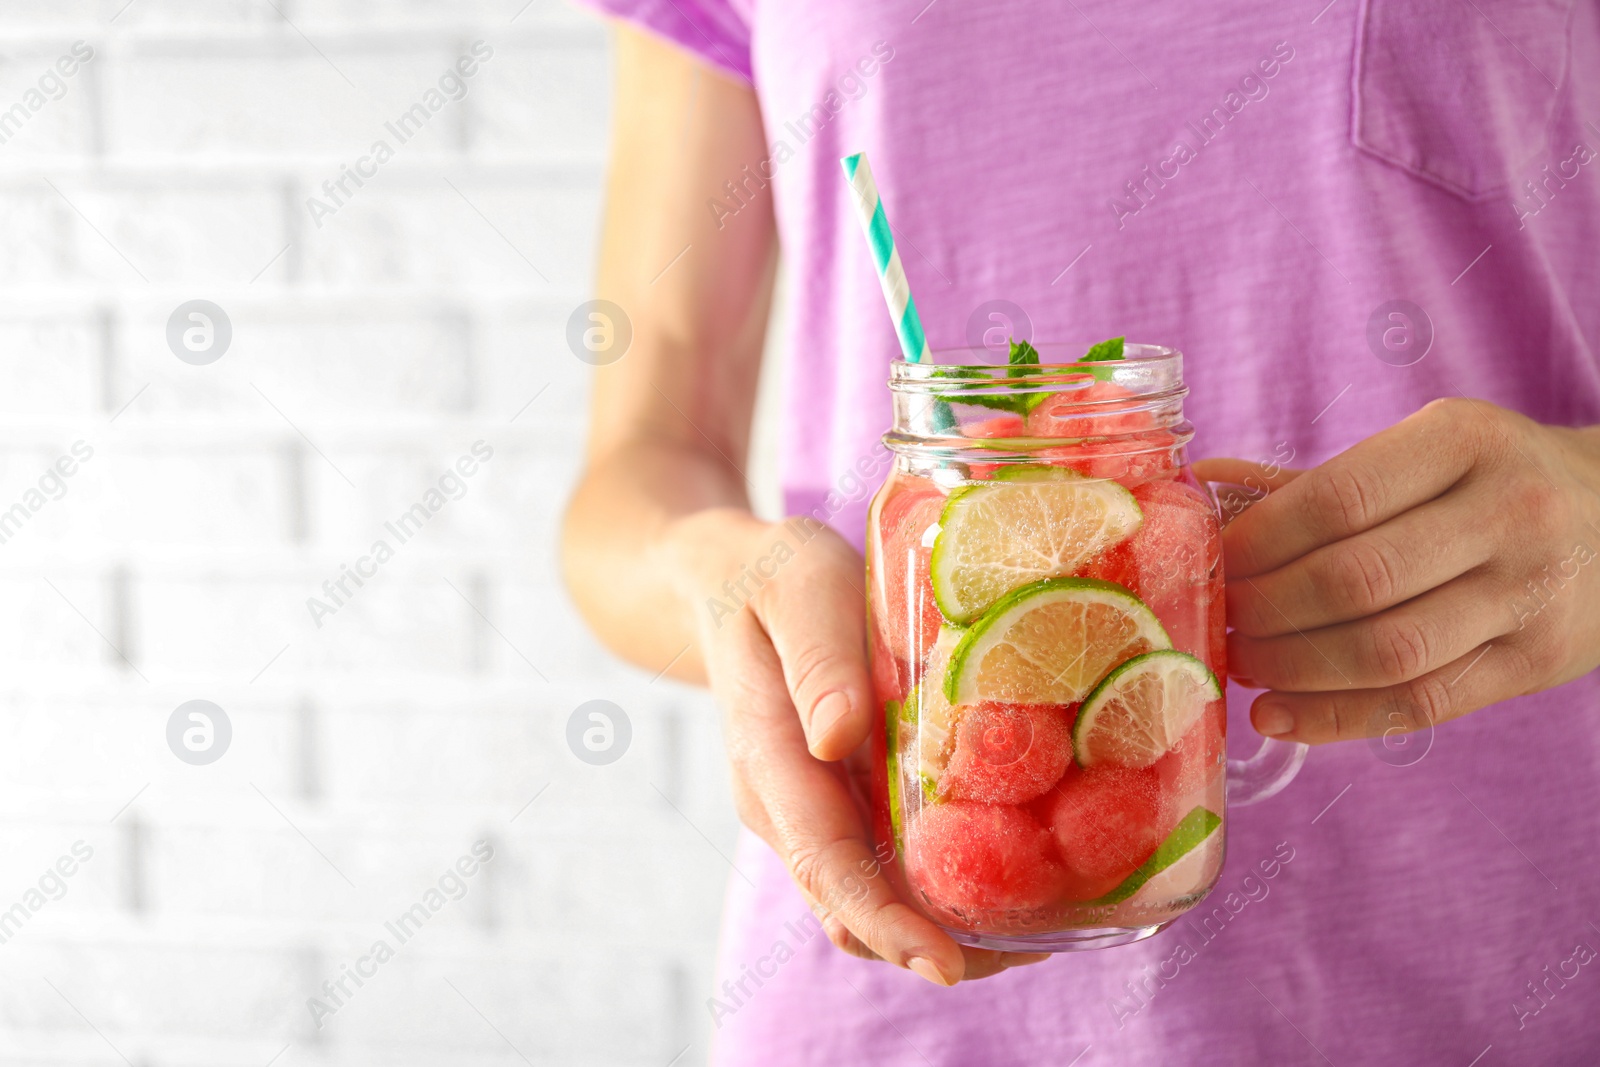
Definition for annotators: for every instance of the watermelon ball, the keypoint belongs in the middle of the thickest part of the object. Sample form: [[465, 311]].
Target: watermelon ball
[[999, 426], [1178, 544], [1217, 629], [1128, 460], [966, 857], [911, 617], [1106, 821], [1194, 763], [1099, 409], [1008, 753]]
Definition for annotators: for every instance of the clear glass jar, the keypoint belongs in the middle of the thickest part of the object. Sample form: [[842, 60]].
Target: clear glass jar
[[1047, 642]]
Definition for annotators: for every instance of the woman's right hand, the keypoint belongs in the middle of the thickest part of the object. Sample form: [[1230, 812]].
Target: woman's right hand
[[660, 520], [786, 657]]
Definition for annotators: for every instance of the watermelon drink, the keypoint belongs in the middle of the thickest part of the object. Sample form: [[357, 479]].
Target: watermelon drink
[[1045, 596]]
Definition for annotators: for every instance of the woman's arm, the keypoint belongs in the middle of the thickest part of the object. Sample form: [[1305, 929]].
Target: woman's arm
[[670, 420], [660, 520]]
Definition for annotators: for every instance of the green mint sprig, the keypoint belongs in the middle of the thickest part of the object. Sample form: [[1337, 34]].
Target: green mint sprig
[[1022, 360], [1104, 352]]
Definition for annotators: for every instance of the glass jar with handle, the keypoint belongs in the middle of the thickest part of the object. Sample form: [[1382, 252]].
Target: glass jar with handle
[[1047, 644]]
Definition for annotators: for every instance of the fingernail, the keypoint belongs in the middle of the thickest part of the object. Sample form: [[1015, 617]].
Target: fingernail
[[1271, 720], [826, 715], [925, 969]]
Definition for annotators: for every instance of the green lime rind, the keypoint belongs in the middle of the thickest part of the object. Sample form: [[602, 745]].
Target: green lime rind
[[933, 718], [941, 547], [1014, 444], [891, 716], [975, 634], [1039, 472], [1097, 696], [1120, 503], [1184, 839]]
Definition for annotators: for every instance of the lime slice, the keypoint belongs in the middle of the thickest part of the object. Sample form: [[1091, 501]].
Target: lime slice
[[1032, 522], [1140, 710], [933, 713], [1034, 472], [891, 716], [1050, 642], [1195, 828]]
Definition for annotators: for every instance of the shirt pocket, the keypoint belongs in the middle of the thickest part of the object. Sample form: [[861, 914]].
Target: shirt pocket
[[1459, 94]]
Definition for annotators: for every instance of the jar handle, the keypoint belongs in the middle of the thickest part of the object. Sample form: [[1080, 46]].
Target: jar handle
[[1266, 773], [1275, 763]]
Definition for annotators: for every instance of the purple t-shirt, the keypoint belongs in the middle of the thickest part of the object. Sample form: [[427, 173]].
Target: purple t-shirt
[[1265, 186]]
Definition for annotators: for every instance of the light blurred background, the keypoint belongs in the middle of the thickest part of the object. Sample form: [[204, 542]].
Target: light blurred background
[[425, 713]]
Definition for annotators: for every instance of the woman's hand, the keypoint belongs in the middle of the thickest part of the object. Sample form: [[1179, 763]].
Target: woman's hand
[[1438, 567], [787, 659], [660, 519]]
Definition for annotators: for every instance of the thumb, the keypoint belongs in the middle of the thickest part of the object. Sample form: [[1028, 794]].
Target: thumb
[[815, 616]]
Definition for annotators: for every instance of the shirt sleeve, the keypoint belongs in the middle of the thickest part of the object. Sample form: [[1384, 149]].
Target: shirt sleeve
[[710, 30]]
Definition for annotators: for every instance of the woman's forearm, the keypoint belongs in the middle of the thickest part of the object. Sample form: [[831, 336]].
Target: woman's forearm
[[642, 518], [661, 503]]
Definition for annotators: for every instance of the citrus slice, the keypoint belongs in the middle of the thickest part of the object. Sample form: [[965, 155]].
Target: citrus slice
[[1029, 523], [1185, 837], [1050, 642], [891, 715], [933, 713], [1139, 711], [1033, 472]]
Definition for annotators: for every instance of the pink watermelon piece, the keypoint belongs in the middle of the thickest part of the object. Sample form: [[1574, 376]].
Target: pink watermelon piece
[[999, 426], [967, 857], [911, 618], [1008, 753], [1062, 414], [1194, 762], [1106, 821], [1217, 629]]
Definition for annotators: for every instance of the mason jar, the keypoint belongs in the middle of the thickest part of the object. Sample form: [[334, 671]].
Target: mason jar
[[1047, 639]]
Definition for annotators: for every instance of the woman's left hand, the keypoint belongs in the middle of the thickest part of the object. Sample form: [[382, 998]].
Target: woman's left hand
[[1438, 567]]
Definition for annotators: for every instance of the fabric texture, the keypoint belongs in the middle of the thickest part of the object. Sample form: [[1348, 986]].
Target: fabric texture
[[1256, 185]]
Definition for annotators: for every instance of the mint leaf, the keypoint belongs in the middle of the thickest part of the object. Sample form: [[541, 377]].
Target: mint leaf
[[997, 402], [1104, 352], [1023, 354], [1023, 359]]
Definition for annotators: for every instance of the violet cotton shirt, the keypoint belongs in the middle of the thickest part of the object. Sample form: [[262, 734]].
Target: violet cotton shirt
[[1251, 183]]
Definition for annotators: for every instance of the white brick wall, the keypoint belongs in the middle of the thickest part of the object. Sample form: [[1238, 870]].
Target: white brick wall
[[370, 753]]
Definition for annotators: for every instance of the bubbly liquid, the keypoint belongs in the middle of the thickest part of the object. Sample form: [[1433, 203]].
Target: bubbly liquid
[[997, 829]]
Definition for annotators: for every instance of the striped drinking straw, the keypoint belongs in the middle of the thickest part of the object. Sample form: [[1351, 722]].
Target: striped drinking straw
[[891, 274]]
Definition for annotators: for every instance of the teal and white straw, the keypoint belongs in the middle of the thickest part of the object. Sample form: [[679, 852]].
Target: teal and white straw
[[891, 274]]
